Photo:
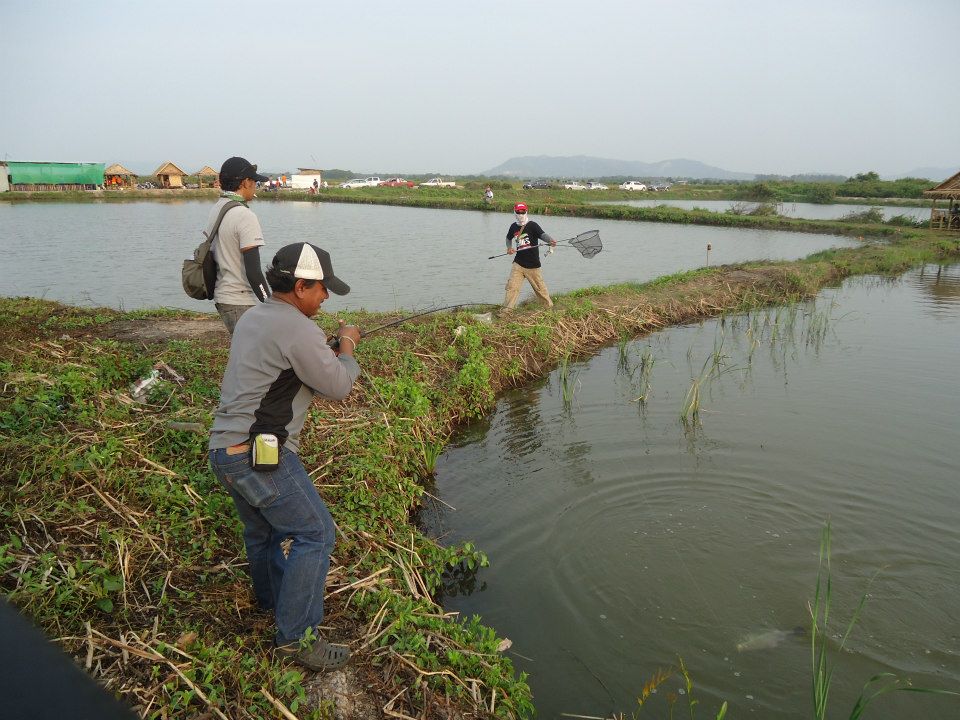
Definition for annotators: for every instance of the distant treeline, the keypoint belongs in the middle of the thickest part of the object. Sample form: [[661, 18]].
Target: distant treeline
[[865, 185]]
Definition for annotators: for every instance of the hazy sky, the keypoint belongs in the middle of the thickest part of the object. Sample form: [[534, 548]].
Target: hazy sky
[[459, 87]]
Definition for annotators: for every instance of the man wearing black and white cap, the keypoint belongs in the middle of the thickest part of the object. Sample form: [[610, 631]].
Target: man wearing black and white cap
[[279, 361], [240, 282]]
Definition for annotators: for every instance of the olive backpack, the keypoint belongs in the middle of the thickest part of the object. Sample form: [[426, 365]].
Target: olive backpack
[[200, 272]]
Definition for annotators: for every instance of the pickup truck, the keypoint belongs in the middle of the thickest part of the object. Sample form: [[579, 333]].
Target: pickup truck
[[397, 182], [438, 182]]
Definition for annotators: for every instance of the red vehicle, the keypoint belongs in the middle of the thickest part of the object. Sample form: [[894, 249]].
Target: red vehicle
[[396, 182]]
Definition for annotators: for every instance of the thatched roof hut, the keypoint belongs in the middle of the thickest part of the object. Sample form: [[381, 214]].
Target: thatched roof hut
[[208, 173], [170, 176], [118, 176], [949, 218]]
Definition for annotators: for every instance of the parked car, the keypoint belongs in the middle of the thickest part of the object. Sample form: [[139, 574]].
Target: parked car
[[355, 183], [538, 185], [574, 186], [438, 182], [397, 182], [372, 181], [596, 186], [633, 185]]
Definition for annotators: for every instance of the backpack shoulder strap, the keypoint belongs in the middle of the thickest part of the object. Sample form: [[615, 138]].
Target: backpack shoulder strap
[[223, 211]]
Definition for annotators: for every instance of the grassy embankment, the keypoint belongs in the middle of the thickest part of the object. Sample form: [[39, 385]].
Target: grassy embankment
[[117, 541]]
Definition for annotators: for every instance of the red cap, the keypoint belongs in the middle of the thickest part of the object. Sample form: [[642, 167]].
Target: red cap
[[520, 208]]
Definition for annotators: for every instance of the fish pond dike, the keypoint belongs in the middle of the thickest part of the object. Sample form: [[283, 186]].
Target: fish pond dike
[[626, 529]]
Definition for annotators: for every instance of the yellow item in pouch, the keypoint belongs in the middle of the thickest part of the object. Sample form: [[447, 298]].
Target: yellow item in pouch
[[265, 452]]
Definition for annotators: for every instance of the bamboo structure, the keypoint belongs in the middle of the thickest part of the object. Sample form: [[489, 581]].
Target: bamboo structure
[[949, 218], [170, 176], [118, 177], [210, 175]]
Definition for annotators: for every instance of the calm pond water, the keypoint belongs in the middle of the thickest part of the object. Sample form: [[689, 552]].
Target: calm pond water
[[618, 539], [810, 211], [129, 254]]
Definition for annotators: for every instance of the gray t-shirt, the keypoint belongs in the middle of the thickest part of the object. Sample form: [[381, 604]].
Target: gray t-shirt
[[239, 231], [279, 360]]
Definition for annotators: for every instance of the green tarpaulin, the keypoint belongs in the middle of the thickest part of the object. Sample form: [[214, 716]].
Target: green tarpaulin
[[22, 173]]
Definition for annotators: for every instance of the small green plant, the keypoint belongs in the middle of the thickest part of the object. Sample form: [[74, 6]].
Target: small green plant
[[567, 384], [872, 215], [431, 453], [646, 371]]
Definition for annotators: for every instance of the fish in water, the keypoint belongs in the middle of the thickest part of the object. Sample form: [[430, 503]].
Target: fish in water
[[766, 639]]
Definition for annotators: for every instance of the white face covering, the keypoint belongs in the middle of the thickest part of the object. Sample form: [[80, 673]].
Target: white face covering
[[521, 219]]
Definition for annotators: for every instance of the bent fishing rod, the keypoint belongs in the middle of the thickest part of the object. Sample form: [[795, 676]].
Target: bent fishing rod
[[334, 341]]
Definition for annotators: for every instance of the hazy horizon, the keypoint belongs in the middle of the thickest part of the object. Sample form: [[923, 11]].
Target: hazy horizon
[[744, 86]]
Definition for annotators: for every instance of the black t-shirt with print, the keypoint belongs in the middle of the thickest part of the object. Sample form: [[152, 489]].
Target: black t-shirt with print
[[529, 235]]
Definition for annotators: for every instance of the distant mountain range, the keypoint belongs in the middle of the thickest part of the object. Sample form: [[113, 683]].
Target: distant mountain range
[[584, 166]]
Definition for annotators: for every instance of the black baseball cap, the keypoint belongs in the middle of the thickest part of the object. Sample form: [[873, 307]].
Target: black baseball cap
[[240, 169], [309, 262]]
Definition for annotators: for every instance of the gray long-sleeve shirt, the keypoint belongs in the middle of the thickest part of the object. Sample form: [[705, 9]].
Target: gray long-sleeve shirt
[[279, 360]]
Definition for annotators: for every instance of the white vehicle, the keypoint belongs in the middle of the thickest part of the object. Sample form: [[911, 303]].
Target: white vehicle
[[355, 183], [633, 185], [438, 182], [372, 181], [596, 186], [574, 186]]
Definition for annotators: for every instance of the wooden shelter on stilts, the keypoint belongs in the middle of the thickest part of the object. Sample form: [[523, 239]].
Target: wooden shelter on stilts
[[207, 175], [170, 176], [117, 177], [949, 217]]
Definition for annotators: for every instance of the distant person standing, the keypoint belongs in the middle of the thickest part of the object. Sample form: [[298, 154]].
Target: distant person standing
[[488, 195], [523, 240], [316, 186], [236, 248]]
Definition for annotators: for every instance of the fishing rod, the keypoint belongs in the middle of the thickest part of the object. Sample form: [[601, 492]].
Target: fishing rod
[[334, 341]]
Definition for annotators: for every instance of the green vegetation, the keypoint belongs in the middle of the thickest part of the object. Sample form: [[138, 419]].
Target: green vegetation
[[116, 539]]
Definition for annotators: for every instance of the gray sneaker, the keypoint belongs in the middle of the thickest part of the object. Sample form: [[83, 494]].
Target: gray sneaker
[[318, 656]]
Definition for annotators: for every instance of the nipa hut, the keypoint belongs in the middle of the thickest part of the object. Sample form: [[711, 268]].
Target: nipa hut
[[947, 218], [208, 174], [118, 177], [170, 176]]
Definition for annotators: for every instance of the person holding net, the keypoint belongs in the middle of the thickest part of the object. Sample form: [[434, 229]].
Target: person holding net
[[523, 240]]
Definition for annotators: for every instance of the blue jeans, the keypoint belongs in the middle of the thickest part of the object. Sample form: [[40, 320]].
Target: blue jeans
[[274, 506]]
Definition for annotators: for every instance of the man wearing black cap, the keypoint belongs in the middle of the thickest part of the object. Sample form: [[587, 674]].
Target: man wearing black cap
[[240, 282], [279, 361]]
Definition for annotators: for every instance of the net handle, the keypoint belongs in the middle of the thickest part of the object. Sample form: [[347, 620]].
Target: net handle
[[570, 245]]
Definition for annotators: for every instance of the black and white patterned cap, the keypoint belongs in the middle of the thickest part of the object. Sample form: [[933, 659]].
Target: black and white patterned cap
[[309, 262]]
